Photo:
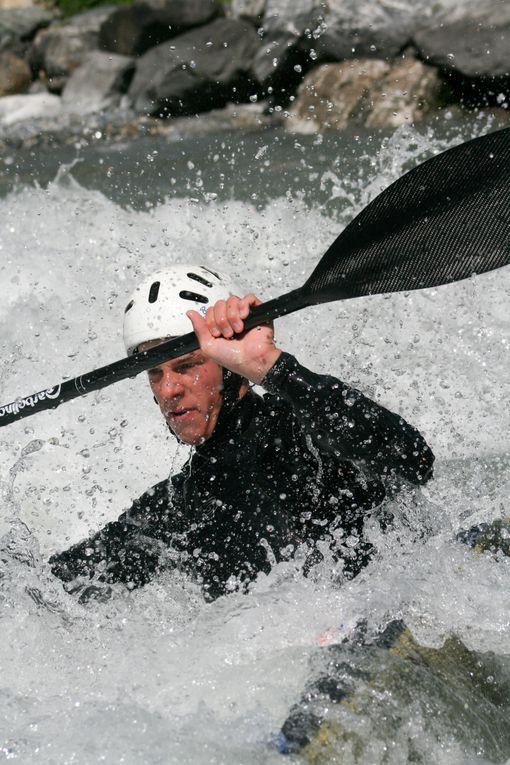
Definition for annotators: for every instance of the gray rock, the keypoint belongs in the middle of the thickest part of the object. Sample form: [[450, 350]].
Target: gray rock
[[98, 83], [473, 41], [369, 92], [198, 71], [19, 25], [132, 30], [249, 10], [366, 29], [61, 48], [299, 35], [15, 74], [30, 107], [285, 23]]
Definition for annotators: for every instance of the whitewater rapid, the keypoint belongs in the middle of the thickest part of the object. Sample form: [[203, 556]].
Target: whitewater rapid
[[157, 675]]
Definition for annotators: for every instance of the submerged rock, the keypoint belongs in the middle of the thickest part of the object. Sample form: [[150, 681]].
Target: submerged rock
[[368, 92], [98, 83], [61, 48], [133, 29], [15, 74], [198, 71]]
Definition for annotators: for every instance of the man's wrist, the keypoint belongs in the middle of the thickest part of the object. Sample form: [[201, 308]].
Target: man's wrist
[[263, 365], [278, 375]]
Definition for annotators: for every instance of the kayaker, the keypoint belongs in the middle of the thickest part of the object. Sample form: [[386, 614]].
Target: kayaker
[[307, 462]]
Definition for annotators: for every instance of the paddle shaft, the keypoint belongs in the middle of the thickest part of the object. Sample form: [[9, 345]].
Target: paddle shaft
[[443, 221], [131, 366]]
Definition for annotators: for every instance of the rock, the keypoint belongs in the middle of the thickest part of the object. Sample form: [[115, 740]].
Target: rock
[[132, 30], [368, 92], [98, 83], [285, 22], [63, 47], [249, 10], [15, 74], [473, 42], [198, 71], [38, 86], [366, 29], [21, 108], [19, 25], [299, 35]]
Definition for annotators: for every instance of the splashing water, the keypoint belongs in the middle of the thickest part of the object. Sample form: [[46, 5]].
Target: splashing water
[[158, 675]]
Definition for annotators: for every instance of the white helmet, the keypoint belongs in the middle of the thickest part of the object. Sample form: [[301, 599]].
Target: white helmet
[[157, 308]]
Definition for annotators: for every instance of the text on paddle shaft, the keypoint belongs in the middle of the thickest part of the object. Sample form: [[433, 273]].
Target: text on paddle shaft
[[16, 406]]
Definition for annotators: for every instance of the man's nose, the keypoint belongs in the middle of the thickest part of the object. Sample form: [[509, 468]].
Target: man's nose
[[171, 385]]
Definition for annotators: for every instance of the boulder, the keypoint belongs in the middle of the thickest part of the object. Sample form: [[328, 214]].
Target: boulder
[[285, 23], [198, 71], [21, 108], [369, 92], [298, 35], [365, 29], [61, 48], [473, 42], [15, 74], [19, 25], [132, 30], [249, 10], [98, 83]]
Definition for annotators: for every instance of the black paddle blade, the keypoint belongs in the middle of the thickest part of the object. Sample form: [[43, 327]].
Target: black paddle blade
[[445, 220]]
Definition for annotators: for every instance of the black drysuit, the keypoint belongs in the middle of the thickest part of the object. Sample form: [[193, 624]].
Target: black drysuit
[[306, 462]]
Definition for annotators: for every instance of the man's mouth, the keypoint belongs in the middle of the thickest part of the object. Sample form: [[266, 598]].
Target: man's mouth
[[179, 415]]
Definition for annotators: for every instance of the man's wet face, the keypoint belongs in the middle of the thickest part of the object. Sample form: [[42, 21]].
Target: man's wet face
[[189, 393]]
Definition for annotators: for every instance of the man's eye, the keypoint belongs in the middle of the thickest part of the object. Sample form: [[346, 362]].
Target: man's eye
[[155, 374], [184, 367]]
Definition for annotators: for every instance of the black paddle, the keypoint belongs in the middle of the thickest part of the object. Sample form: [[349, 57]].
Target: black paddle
[[445, 220]]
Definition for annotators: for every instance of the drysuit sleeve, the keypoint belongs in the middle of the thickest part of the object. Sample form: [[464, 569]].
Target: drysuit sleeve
[[126, 550], [341, 419]]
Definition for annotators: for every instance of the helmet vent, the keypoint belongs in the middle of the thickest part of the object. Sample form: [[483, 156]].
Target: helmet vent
[[129, 306], [200, 279], [154, 291], [193, 296], [211, 272]]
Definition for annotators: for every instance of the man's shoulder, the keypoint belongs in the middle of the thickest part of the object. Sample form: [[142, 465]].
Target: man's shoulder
[[270, 407], [273, 420]]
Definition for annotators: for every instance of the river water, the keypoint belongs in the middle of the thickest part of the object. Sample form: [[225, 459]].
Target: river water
[[158, 675]]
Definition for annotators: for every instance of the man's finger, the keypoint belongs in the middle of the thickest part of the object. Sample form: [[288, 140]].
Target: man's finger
[[246, 303], [199, 326], [210, 320], [233, 313]]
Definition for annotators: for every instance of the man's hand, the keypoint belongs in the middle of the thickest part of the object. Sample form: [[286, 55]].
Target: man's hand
[[222, 338]]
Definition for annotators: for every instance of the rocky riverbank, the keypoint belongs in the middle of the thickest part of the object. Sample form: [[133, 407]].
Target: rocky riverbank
[[309, 64]]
